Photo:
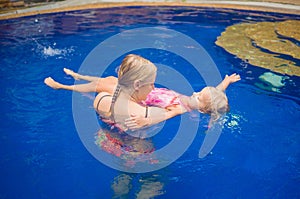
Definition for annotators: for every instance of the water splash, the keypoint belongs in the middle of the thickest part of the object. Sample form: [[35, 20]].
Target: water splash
[[233, 122], [50, 50]]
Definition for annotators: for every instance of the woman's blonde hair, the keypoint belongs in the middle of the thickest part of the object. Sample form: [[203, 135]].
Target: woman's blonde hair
[[134, 68], [218, 103]]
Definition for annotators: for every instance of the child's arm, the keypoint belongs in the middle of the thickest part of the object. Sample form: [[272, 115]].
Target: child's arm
[[228, 80]]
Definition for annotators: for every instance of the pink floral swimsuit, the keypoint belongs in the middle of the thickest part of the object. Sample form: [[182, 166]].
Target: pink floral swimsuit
[[162, 97]]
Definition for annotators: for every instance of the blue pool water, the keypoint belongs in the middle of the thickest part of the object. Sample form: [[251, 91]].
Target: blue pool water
[[41, 156]]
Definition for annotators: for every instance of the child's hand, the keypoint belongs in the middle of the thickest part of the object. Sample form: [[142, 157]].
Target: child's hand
[[228, 80], [232, 78], [136, 122]]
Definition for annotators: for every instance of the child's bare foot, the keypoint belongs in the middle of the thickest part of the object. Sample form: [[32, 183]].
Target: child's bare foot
[[72, 73], [51, 83]]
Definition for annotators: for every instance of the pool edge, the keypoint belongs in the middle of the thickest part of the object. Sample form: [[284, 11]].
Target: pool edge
[[235, 5]]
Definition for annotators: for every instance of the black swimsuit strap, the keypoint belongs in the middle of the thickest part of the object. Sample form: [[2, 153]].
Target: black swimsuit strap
[[101, 99], [146, 114], [112, 106]]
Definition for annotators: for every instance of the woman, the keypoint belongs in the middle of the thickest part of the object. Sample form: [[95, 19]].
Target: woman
[[136, 77]]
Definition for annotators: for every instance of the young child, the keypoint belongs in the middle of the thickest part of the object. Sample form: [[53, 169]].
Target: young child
[[210, 100]]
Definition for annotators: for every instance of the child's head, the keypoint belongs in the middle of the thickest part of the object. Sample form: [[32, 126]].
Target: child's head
[[212, 101]]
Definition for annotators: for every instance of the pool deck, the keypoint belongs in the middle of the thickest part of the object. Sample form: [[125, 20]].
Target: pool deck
[[280, 6]]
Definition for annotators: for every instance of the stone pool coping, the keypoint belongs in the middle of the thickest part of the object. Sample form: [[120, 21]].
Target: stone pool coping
[[71, 5]]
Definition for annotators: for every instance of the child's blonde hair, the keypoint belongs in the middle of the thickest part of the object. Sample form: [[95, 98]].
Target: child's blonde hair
[[134, 68], [218, 103]]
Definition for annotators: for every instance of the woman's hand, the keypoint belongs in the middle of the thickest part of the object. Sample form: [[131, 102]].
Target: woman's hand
[[157, 115], [135, 122]]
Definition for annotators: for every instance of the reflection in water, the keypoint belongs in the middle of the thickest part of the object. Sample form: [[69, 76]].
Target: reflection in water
[[121, 186], [130, 151], [270, 45], [148, 186]]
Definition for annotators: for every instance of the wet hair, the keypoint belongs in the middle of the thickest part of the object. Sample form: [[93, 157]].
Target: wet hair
[[134, 68], [218, 104]]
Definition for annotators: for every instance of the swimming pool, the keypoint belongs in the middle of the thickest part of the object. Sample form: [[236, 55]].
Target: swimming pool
[[257, 155]]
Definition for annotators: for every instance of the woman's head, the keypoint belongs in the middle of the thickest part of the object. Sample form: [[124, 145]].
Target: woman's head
[[137, 75], [212, 101]]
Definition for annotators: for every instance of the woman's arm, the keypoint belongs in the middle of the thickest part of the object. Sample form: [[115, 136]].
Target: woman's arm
[[155, 116]]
